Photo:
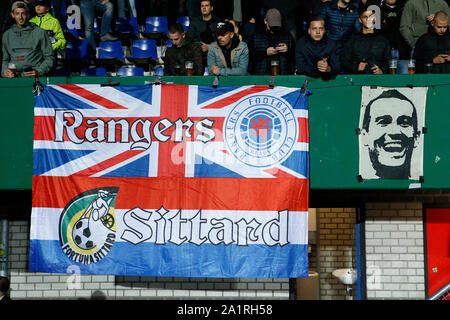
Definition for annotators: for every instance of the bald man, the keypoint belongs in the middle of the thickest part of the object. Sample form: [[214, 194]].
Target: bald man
[[432, 52]]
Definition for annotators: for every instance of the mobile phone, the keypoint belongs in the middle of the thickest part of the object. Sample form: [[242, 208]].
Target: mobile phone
[[28, 69]]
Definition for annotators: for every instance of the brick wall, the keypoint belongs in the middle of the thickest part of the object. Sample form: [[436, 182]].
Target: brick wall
[[336, 227], [27, 285], [395, 250]]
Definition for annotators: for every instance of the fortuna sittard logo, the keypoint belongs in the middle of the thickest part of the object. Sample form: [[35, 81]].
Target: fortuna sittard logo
[[87, 228]]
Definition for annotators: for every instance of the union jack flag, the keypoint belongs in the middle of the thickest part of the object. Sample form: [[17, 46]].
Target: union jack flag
[[219, 166]]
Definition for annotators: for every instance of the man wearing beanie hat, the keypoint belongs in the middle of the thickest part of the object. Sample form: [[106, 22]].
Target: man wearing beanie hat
[[46, 21], [272, 44], [26, 46], [228, 56]]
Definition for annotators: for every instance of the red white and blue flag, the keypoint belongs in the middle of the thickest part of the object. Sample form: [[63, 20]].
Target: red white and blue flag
[[171, 180]]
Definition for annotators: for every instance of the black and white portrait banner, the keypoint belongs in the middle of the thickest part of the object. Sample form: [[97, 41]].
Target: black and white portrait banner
[[391, 126]]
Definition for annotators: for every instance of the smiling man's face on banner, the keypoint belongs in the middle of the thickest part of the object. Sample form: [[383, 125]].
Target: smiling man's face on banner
[[390, 133]]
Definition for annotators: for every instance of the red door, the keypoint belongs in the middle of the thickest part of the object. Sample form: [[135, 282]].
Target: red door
[[438, 248]]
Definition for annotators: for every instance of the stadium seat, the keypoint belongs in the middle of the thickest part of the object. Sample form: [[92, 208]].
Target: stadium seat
[[110, 55], [159, 72], [75, 55], [92, 72], [127, 30], [184, 21], [130, 72], [144, 53], [156, 28], [61, 73]]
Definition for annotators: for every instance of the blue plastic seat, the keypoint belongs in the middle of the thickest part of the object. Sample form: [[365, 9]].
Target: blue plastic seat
[[92, 72], [127, 29], [75, 55], [110, 50], [156, 28], [156, 25], [143, 53], [130, 72], [110, 55], [76, 50], [184, 21], [159, 71]]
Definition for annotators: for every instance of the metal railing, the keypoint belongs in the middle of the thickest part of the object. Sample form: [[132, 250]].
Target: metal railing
[[442, 294]]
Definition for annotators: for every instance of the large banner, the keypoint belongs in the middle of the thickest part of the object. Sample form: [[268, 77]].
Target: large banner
[[171, 180], [391, 133]]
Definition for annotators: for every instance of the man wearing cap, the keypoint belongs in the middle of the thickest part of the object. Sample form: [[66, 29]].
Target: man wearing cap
[[228, 56], [26, 47], [272, 44]]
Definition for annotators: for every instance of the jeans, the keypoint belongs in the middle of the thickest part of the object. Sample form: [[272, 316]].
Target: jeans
[[88, 9], [121, 8]]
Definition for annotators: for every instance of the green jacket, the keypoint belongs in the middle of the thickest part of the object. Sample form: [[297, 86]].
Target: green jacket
[[413, 23], [28, 46], [53, 27]]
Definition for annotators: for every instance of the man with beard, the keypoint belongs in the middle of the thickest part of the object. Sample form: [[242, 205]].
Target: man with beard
[[390, 133], [228, 56], [433, 48]]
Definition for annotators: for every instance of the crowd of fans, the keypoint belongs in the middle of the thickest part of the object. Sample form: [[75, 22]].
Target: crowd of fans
[[317, 38]]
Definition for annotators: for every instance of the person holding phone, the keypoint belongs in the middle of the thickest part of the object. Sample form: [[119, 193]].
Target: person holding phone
[[432, 48], [25, 46], [272, 44]]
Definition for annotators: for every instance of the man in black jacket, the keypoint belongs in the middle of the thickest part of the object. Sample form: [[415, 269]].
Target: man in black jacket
[[316, 54], [366, 52], [272, 44], [183, 49], [433, 48]]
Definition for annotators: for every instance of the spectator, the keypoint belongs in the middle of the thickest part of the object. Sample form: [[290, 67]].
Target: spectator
[[288, 10], [391, 12], [316, 54], [272, 44], [416, 17], [433, 47], [341, 19], [89, 9], [26, 46], [182, 50], [367, 52], [46, 21], [4, 288], [202, 28], [227, 56]]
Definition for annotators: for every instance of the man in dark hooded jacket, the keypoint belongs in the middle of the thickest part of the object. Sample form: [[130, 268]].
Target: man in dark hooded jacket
[[316, 54], [433, 48]]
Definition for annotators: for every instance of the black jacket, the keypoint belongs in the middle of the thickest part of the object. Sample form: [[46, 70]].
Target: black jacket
[[371, 48], [189, 51], [390, 28], [308, 52], [260, 61], [429, 46]]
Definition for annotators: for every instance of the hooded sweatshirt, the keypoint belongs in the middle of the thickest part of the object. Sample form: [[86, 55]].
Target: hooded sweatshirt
[[28, 46]]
